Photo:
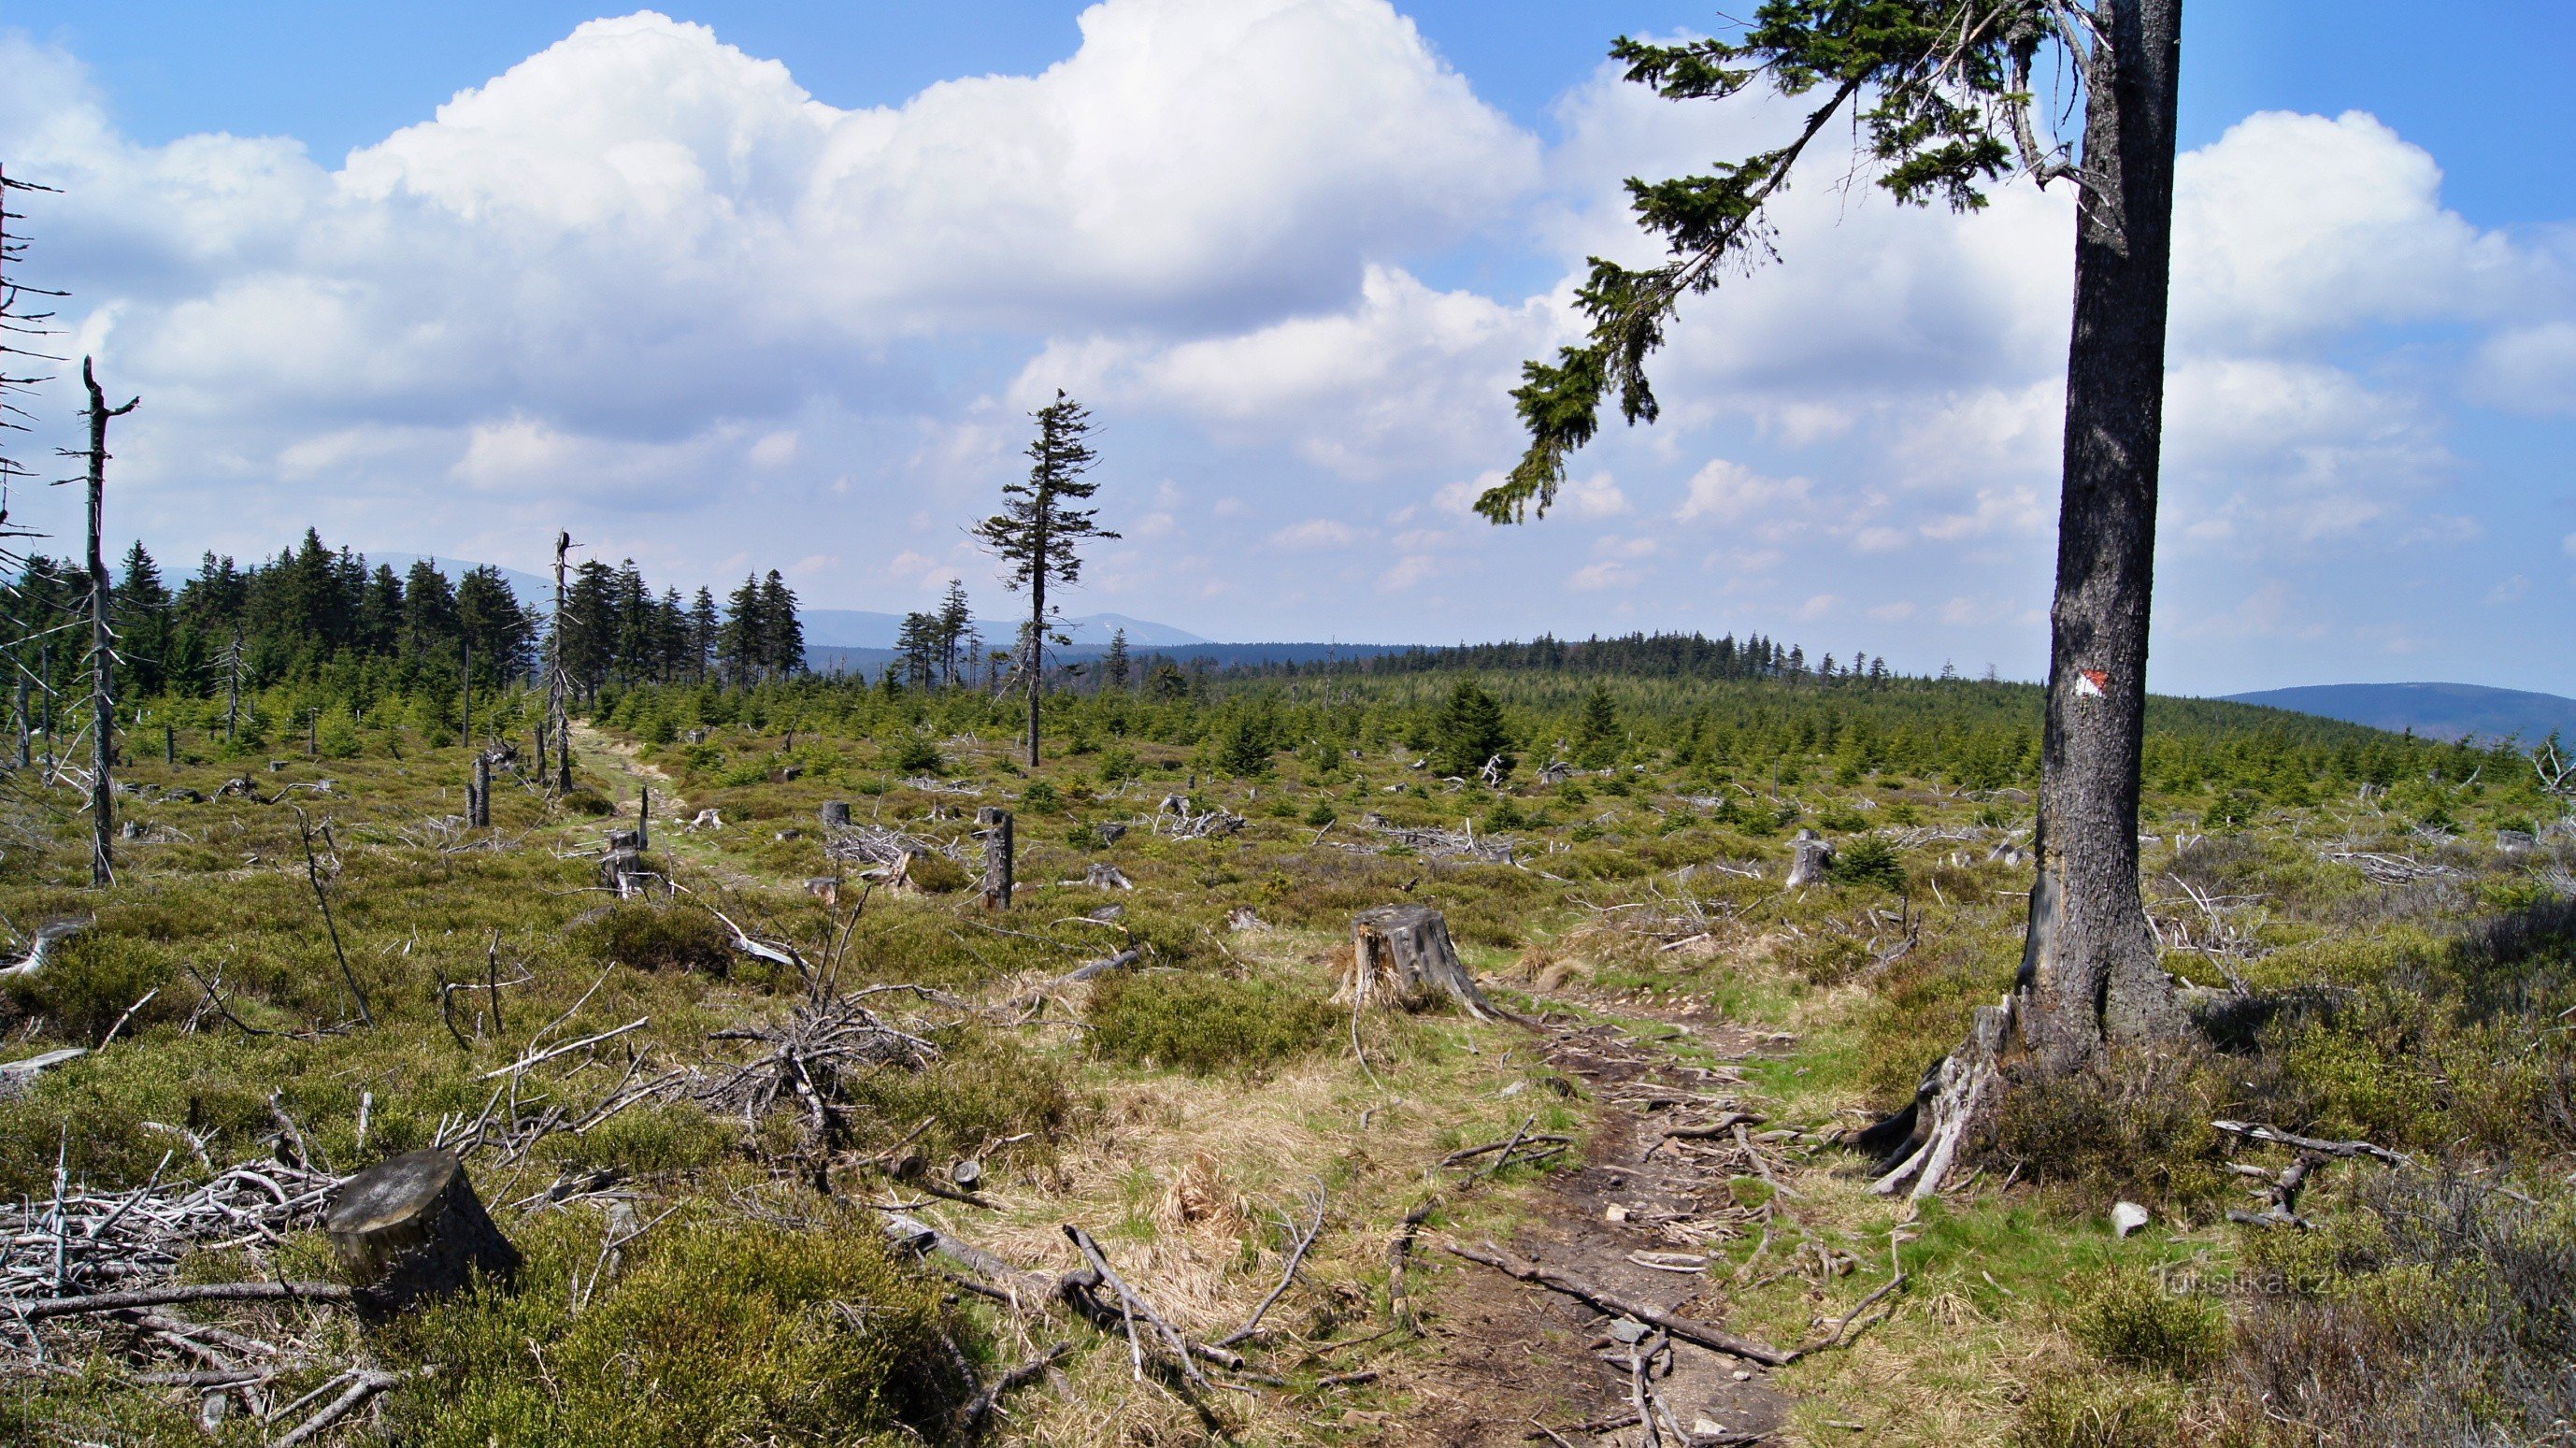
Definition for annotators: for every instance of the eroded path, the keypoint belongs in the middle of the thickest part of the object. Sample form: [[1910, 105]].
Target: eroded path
[[1672, 1172]]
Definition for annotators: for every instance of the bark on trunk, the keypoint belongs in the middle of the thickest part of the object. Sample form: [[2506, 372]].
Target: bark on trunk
[[412, 1228], [1813, 856], [1401, 955], [2089, 971]]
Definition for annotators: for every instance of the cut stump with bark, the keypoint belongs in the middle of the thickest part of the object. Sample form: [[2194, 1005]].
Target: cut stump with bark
[[1815, 856], [412, 1228], [1401, 955], [836, 814]]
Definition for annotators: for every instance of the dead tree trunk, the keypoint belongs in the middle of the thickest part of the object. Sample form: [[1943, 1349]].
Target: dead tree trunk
[[412, 1228], [478, 798], [558, 722], [995, 826], [1401, 955], [102, 643], [836, 814]]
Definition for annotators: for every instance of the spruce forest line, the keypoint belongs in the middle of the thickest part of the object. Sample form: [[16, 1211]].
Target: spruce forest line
[[317, 648]]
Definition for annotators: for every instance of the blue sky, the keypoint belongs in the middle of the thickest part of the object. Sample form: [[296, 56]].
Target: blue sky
[[762, 284]]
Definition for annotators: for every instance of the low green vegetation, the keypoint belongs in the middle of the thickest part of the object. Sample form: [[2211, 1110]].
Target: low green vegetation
[[1179, 1105]]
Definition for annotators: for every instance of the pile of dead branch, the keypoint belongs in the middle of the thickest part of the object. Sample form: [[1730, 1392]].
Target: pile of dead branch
[[1175, 820], [2386, 869], [1445, 844], [869, 844], [812, 1059]]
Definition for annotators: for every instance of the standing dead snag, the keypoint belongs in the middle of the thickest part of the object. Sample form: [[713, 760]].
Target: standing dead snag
[[102, 642], [412, 1228], [1401, 955], [995, 826]]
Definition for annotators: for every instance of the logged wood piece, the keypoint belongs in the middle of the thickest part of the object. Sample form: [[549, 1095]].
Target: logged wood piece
[[412, 1228], [836, 814], [1401, 955]]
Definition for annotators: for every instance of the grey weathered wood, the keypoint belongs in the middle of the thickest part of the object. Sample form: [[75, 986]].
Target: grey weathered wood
[[19, 1077], [412, 1228], [1401, 955], [995, 826], [1815, 856], [836, 814]]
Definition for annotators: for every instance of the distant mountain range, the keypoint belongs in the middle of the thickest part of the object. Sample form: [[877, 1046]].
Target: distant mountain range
[[2433, 711], [850, 628]]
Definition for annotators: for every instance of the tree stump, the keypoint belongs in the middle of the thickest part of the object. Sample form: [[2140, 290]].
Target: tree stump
[[836, 814], [625, 873], [1815, 856], [1401, 955], [995, 825], [478, 794], [412, 1228], [1101, 875]]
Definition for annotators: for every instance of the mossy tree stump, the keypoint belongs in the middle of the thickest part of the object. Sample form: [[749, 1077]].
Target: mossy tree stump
[[1401, 955], [412, 1228]]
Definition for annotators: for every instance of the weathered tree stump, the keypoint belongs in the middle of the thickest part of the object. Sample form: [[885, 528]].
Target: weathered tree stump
[[995, 825], [1815, 856], [478, 794], [625, 873], [1101, 875], [412, 1228], [1401, 955], [836, 814]]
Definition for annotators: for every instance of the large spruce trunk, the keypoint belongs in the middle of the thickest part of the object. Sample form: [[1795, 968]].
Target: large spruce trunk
[[2089, 972]]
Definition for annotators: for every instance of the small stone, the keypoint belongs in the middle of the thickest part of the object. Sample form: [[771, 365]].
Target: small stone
[[1742, 1376], [2127, 1217], [1614, 1213], [1703, 1428], [1628, 1330], [1515, 1089]]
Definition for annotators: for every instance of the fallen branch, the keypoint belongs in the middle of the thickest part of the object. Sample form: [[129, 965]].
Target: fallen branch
[[986, 1400], [364, 1383], [1399, 1307], [180, 1292], [566, 1048], [2278, 1137], [1687, 1329], [1120, 961], [1295, 1257]]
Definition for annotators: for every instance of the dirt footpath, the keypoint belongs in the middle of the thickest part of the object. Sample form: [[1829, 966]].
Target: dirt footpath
[[1643, 1218]]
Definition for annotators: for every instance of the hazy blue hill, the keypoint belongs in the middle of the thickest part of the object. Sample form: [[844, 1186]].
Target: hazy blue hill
[[2436, 711], [853, 628]]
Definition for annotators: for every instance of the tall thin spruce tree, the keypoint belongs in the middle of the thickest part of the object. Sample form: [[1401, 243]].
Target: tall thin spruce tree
[[1942, 98], [1037, 533]]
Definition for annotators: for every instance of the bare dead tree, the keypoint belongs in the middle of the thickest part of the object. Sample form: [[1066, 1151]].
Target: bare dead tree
[[557, 721], [102, 641]]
